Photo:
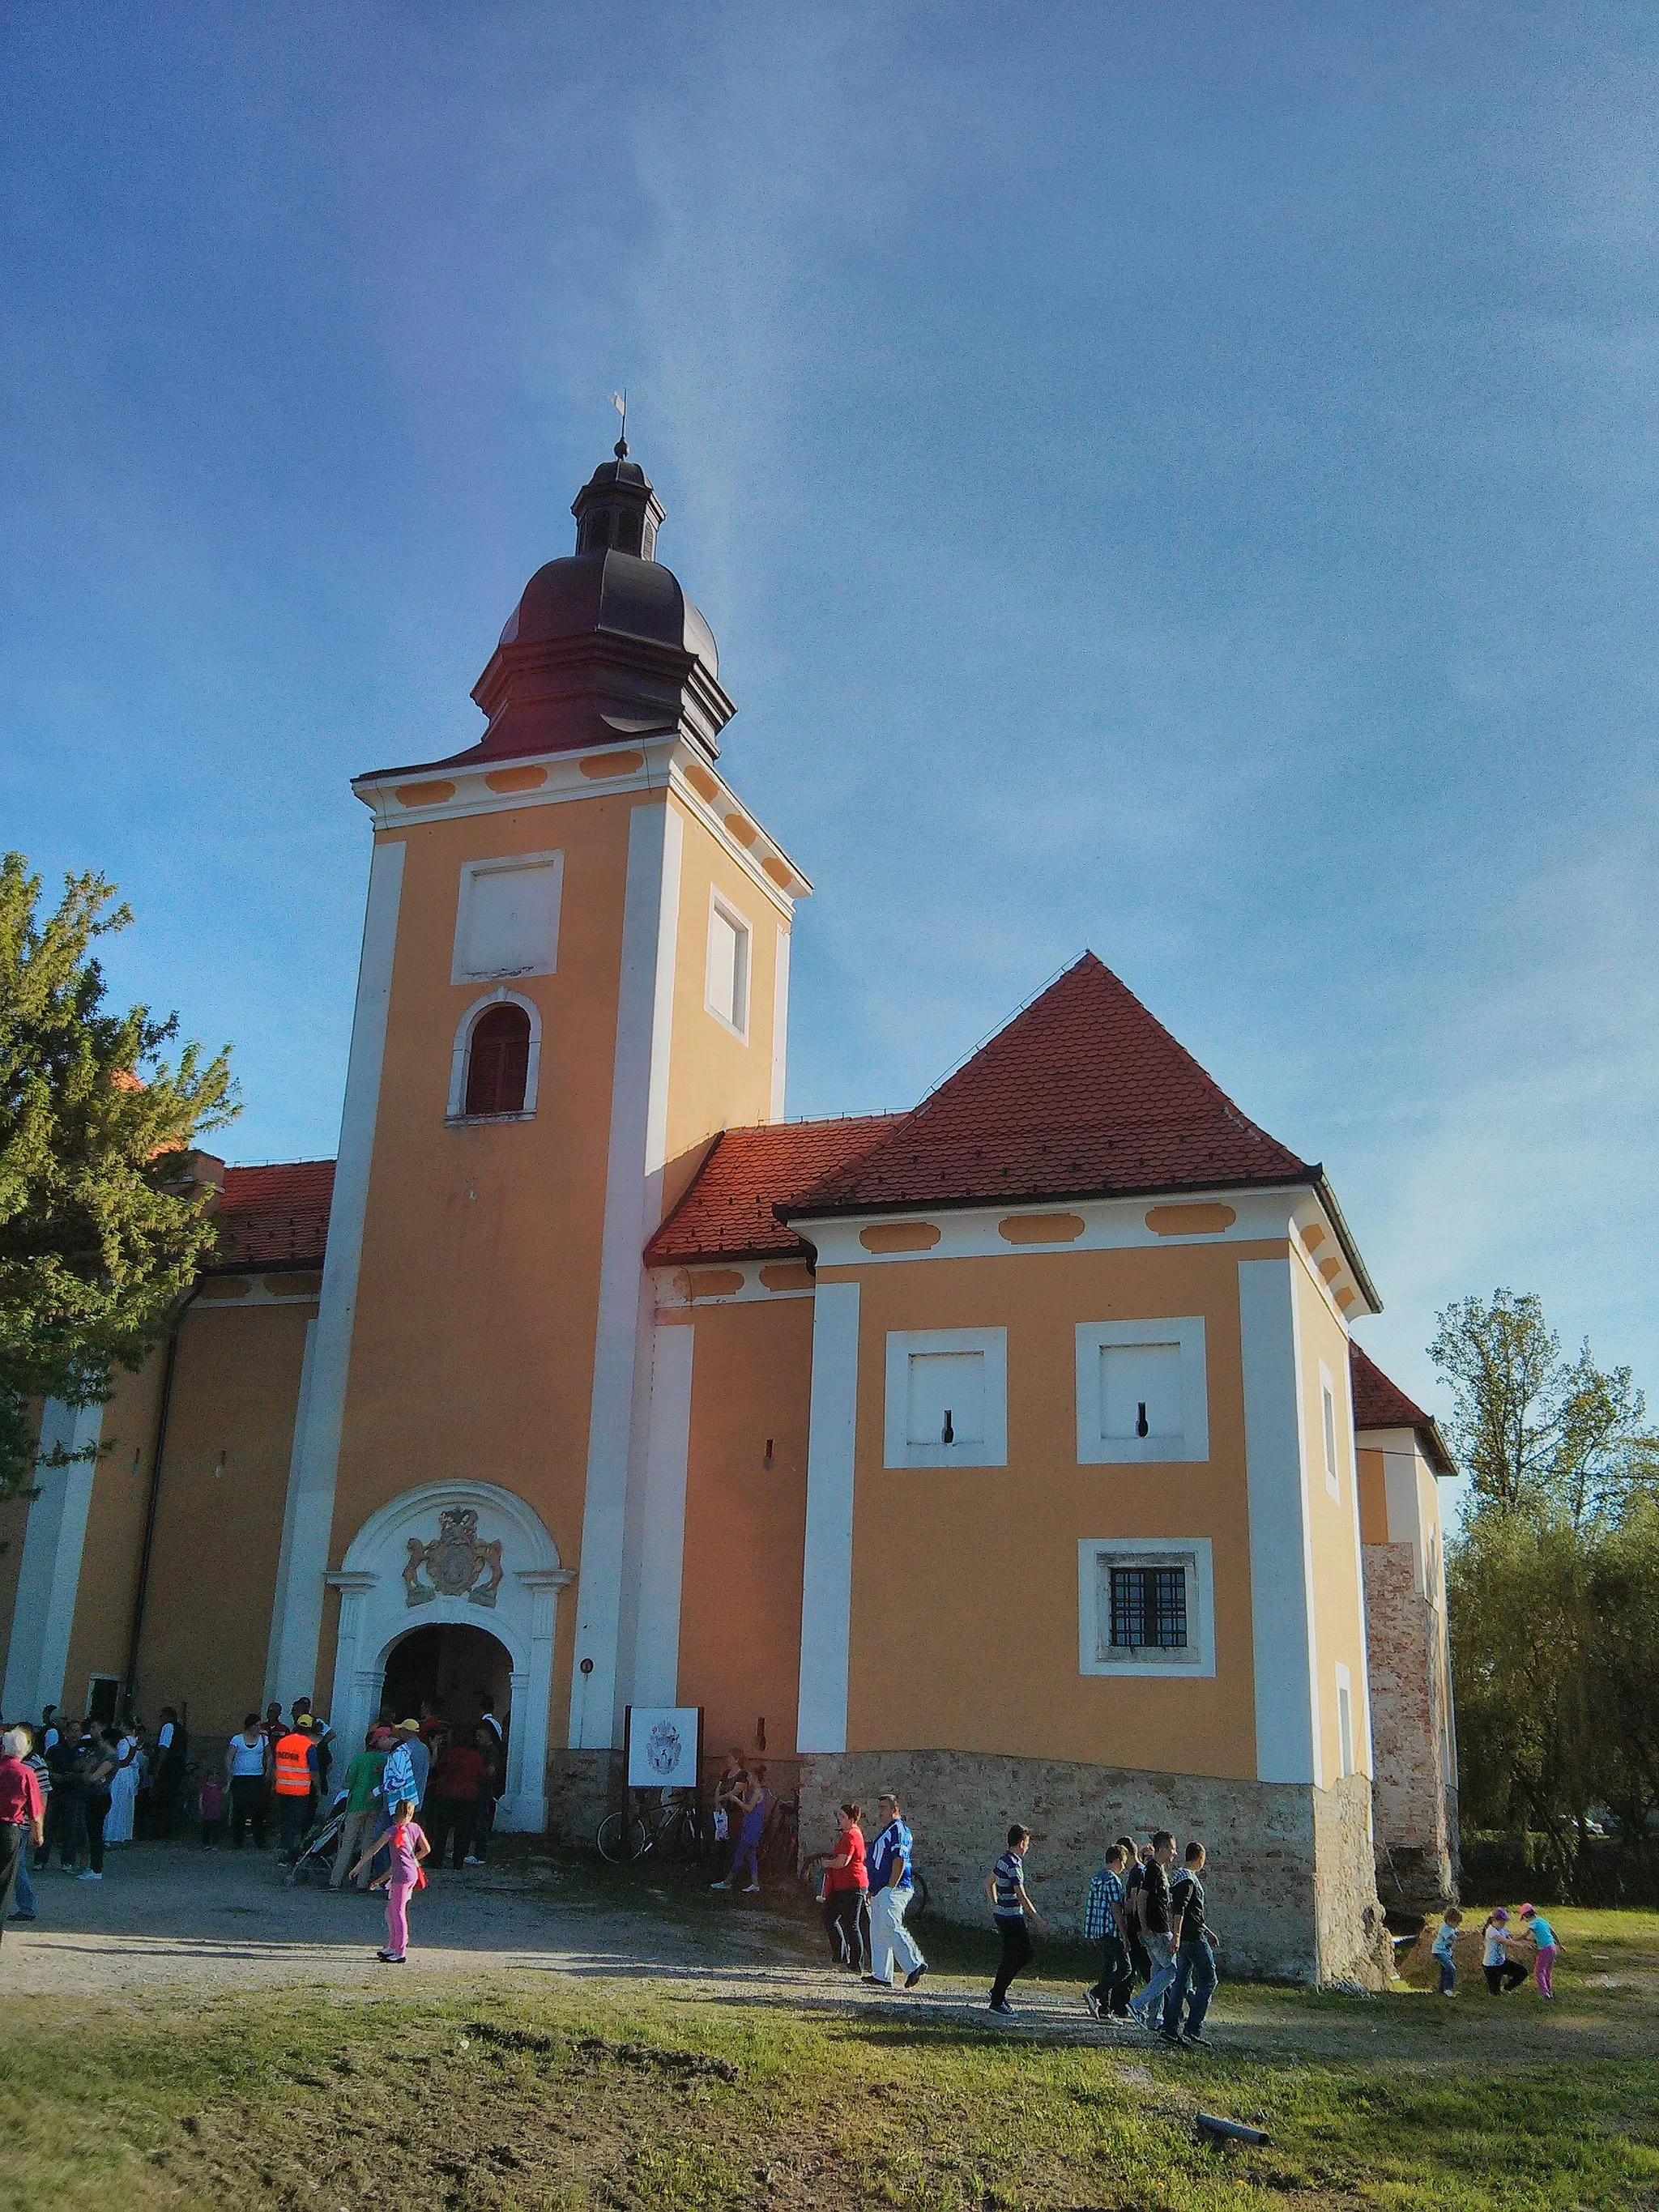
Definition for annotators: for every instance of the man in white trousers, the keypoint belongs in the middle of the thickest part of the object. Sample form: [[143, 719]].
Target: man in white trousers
[[890, 1897]]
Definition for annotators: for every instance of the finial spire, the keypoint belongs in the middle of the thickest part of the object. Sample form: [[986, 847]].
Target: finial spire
[[619, 401]]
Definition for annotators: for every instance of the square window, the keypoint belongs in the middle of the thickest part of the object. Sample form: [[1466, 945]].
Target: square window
[[947, 1397], [507, 920], [727, 994], [1142, 1392], [1146, 1607]]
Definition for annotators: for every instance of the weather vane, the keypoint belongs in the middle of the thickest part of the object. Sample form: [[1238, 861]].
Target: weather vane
[[619, 401]]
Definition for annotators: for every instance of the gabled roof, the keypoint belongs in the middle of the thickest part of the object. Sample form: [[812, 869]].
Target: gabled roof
[[1083, 1094], [730, 1211], [1380, 1404], [274, 1216]]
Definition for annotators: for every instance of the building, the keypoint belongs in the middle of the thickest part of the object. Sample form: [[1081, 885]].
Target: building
[[1014, 1449]]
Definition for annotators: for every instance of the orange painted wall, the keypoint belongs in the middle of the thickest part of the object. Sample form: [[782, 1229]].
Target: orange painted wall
[[745, 1524], [473, 1350], [965, 1630], [1339, 1616], [717, 1080], [213, 1569], [101, 1636], [1373, 1498]]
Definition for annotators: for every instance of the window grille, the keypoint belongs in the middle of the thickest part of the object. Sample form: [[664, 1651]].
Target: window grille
[[1149, 1608]]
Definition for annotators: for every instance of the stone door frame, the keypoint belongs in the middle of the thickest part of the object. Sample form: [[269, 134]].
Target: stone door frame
[[376, 1612]]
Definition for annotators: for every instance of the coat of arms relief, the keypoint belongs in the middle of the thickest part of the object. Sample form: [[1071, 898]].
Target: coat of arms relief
[[458, 1562]]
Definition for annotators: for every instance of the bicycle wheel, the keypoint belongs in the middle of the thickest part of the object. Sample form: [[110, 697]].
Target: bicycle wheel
[[918, 1896], [621, 1838], [686, 1842]]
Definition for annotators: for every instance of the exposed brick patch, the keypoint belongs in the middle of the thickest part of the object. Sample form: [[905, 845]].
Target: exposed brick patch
[[1416, 1807]]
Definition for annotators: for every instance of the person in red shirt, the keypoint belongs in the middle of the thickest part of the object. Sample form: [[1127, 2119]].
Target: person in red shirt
[[451, 1803], [846, 1893], [22, 1812]]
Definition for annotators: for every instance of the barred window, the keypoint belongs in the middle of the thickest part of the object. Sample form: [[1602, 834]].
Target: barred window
[[1146, 1606], [1149, 1608]]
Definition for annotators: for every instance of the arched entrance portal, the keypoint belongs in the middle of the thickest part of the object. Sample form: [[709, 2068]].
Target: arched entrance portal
[[454, 1664], [446, 1581]]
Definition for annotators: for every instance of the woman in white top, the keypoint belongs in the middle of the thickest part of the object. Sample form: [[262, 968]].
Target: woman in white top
[[123, 1786]]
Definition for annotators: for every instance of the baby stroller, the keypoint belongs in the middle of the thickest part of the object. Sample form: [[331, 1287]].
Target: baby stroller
[[315, 1860]]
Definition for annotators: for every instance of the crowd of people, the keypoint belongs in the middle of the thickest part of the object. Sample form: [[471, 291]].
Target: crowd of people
[[1148, 1914], [79, 1787]]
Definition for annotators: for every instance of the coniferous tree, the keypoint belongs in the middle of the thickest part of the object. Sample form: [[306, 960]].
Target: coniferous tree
[[101, 1233]]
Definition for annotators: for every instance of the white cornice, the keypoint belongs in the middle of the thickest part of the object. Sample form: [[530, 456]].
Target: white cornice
[[664, 762], [1110, 1225]]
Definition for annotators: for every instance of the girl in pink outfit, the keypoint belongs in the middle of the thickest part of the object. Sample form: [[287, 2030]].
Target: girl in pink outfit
[[408, 1846]]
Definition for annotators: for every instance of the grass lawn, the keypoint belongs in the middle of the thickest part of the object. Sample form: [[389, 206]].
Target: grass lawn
[[538, 2090]]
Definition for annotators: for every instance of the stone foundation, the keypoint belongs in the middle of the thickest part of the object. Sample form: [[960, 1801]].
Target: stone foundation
[[1291, 1882], [582, 1787]]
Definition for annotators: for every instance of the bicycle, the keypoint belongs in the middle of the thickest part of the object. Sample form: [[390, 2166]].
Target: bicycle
[[780, 1848], [672, 1831]]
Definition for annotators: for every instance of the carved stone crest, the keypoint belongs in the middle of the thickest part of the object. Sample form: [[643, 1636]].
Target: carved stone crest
[[455, 1561]]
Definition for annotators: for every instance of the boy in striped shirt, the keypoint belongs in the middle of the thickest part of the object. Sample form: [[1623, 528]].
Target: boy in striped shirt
[[1005, 1888]]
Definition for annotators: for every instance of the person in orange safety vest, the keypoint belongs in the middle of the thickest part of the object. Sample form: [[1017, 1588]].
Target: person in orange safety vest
[[295, 1781]]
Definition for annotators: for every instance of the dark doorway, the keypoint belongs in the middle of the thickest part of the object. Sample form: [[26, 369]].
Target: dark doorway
[[455, 1666]]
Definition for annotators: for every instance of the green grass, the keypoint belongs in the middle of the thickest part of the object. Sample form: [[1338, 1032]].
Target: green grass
[[537, 2090]]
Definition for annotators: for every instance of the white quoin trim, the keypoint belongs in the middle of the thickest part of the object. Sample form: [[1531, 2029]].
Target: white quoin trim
[[1281, 1550], [49, 1573], [375, 1615], [826, 1623], [285, 1552], [620, 1415], [462, 1053], [298, 1616], [662, 1545]]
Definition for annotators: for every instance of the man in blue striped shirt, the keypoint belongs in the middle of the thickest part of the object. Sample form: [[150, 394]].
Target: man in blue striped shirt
[[1005, 1888], [1106, 1923]]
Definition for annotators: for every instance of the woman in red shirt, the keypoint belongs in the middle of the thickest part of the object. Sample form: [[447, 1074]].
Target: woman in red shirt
[[846, 1893], [451, 1803]]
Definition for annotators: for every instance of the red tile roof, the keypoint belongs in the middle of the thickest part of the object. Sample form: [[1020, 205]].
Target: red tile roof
[[728, 1212], [1380, 1404], [1083, 1093], [274, 1216]]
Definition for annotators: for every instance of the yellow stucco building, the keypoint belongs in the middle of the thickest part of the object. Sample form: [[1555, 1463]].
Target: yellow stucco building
[[1014, 1450]]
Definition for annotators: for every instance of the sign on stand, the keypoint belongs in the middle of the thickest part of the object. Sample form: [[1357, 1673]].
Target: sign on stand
[[664, 1746]]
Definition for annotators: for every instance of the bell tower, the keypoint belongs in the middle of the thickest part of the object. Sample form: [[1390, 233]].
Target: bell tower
[[574, 972]]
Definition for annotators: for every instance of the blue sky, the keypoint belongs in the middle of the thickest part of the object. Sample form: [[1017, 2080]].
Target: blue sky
[[1180, 480]]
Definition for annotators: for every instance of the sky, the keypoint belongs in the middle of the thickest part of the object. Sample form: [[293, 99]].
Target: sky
[[1179, 480]]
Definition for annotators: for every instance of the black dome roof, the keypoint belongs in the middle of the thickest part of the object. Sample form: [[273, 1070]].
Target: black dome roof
[[609, 591]]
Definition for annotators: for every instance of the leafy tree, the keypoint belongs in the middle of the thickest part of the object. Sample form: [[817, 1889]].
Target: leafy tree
[[1554, 1589], [99, 1234], [1533, 1430]]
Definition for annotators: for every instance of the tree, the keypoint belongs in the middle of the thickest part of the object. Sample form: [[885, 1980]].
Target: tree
[[1553, 1584], [1531, 1429], [99, 1234]]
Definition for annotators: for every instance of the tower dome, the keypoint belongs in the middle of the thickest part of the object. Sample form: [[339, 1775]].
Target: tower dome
[[604, 644]]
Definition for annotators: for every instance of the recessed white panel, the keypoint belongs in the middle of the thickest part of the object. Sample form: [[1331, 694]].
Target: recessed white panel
[[508, 921], [946, 1401], [1141, 1392]]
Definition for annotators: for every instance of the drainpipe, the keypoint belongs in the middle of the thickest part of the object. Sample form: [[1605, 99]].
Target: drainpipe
[[164, 1406]]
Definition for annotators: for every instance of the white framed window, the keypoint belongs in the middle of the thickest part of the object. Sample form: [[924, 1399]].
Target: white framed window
[[1142, 1391], [1344, 1718], [726, 994], [947, 1397], [506, 917], [1327, 1410], [1146, 1605]]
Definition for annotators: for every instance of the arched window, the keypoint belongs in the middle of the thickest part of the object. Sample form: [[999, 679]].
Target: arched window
[[498, 1061]]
